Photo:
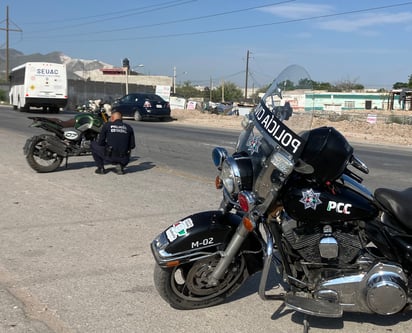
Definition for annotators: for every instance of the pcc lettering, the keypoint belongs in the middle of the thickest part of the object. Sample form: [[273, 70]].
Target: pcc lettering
[[339, 207]]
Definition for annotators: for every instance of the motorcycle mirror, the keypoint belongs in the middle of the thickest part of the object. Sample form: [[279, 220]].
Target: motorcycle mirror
[[279, 92], [219, 154]]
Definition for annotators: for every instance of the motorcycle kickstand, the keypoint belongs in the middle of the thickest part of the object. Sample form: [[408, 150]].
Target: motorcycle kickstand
[[305, 324]]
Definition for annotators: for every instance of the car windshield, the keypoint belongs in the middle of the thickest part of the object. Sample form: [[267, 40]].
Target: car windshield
[[128, 99], [154, 97], [131, 98]]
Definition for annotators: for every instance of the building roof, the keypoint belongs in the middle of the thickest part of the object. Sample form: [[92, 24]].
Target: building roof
[[113, 71]]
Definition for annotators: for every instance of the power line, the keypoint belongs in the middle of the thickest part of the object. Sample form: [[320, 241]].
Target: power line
[[356, 11], [148, 9], [196, 18], [220, 78], [262, 24], [118, 14], [369, 9]]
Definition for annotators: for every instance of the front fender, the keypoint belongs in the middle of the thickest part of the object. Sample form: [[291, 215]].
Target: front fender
[[195, 236]]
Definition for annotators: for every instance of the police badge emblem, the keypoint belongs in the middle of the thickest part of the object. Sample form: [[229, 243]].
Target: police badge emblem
[[253, 143]]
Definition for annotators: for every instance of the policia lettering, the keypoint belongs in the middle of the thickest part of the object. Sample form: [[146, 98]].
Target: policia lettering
[[118, 129], [279, 132]]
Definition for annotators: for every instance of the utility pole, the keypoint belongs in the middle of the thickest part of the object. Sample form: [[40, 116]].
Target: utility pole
[[247, 72], [7, 29], [174, 80], [210, 89]]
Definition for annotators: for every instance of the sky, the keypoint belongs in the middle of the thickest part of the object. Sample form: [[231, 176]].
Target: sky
[[207, 41]]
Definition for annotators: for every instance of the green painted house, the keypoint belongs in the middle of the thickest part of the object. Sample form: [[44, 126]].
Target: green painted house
[[338, 101]]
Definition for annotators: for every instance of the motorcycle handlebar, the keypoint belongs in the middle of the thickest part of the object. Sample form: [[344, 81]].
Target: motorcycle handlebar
[[353, 175], [359, 164]]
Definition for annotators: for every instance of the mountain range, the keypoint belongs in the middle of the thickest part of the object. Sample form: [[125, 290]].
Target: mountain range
[[73, 65]]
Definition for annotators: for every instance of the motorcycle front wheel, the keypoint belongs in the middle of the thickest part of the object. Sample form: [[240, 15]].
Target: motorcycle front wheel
[[186, 287], [40, 158]]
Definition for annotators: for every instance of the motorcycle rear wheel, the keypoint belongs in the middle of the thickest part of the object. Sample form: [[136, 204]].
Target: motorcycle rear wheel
[[185, 286], [40, 159]]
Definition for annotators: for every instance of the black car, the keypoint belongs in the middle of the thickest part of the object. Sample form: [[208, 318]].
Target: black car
[[139, 106]]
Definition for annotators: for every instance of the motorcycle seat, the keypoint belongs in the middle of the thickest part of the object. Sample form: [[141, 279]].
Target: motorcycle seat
[[398, 203], [64, 123]]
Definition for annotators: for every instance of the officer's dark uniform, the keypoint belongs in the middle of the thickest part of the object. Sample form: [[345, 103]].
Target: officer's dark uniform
[[116, 140]]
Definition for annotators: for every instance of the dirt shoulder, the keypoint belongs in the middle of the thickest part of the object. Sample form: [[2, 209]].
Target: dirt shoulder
[[355, 128]]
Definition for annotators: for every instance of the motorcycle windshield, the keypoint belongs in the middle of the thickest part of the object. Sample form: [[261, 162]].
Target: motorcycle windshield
[[284, 111]]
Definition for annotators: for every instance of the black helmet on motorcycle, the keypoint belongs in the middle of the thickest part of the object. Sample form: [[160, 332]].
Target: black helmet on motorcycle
[[327, 151]]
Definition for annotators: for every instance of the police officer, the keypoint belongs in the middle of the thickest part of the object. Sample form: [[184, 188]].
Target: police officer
[[116, 140]]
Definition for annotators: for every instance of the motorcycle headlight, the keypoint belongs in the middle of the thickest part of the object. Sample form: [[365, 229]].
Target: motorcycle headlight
[[229, 174], [237, 174]]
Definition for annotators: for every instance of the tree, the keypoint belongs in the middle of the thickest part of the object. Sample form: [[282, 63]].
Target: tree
[[400, 85], [187, 90], [322, 86], [305, 84], [348, 85], [3, 95], [230, 91]]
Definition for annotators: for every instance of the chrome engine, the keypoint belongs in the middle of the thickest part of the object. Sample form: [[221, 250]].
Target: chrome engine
[[362, 284], [320, 243], [382, 289]]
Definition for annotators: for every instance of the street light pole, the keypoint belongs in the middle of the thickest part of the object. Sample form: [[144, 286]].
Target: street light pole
[[126, 66], [127, 80]]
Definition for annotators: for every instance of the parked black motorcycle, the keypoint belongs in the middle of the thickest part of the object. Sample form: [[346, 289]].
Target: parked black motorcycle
[[294, 201], [73, 137]]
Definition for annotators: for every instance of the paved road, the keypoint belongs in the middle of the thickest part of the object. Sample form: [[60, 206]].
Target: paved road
[[75, 257]]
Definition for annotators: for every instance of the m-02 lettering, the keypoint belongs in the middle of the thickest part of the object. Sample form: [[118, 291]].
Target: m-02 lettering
[[203, 242]]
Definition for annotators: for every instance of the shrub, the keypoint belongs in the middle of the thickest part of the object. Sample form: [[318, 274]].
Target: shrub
[[339, 117]]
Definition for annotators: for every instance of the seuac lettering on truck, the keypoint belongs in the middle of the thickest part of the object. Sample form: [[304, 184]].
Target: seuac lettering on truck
[[38, 84]]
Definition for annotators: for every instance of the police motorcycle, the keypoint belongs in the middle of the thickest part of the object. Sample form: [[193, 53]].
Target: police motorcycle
[[293, 208], [73, 137]]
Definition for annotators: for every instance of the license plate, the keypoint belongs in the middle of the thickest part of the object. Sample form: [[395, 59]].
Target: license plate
[[159, 106]]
